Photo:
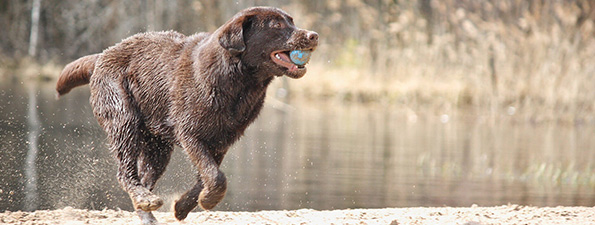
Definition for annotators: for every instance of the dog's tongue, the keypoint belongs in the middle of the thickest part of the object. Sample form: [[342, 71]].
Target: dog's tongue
[[284, 57], [286, 61]]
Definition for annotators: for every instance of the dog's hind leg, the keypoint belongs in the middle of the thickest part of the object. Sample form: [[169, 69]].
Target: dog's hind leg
[[118, 114], [151, 165], [153, 160], [128, 153], [146, 218]]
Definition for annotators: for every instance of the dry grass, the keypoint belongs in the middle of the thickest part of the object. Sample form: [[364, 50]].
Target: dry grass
[[534, 57], [28, 69], [538, 59]]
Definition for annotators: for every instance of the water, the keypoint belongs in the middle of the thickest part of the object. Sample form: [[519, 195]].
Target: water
[[54, 154]]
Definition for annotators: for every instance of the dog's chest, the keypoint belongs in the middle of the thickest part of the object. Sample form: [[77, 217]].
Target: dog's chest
[[219, 117], [242, 109]]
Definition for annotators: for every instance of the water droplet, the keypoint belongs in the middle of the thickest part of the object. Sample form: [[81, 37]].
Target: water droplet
[[511, 110], [444, 118]]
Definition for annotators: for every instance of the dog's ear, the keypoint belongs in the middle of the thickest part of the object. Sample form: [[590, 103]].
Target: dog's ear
[[231, 35]]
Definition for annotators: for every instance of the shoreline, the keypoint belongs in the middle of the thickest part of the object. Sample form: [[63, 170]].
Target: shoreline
[[348, 85], [474, 215]]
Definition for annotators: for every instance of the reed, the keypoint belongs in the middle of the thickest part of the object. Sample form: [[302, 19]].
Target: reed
[[504, 57], [534, 58]]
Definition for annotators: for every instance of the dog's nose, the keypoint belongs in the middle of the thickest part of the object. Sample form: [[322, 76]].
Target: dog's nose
[[312, 36]]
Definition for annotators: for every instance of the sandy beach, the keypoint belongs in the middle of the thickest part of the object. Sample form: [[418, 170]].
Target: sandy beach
[[507, 214]]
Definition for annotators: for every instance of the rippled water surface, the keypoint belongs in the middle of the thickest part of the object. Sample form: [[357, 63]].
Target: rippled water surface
[[332, 156]]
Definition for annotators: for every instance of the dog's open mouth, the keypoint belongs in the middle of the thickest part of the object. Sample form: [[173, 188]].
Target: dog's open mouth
[[292, 60]]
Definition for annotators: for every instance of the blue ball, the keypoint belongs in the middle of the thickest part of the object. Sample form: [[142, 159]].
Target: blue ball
[[300, 57]]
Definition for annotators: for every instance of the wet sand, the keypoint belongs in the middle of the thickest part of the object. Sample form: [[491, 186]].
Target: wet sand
[[508, 214]]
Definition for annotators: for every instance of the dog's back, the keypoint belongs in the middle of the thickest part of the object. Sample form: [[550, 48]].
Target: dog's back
[[137, 54], [142, 66]]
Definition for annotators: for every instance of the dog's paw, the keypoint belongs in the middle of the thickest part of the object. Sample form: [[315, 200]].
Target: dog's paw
[[149, 203], [211, 195], [184, 206], [146, 201], [208, 200]]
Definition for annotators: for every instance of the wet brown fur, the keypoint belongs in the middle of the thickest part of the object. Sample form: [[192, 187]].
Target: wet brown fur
[[76, 73], [159, 89]]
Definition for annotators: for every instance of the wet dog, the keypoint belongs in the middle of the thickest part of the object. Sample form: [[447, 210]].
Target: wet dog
[[155, 90]]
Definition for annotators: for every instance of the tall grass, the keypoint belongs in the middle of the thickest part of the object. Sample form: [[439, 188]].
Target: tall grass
[[502, 56]]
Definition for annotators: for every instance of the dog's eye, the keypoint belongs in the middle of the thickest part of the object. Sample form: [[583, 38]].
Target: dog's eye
[[276, 24]]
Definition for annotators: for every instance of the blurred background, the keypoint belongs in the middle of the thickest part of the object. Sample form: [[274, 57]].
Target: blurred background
[[406, 103]]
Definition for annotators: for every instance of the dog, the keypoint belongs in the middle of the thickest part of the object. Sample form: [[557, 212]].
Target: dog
[[155, 90]]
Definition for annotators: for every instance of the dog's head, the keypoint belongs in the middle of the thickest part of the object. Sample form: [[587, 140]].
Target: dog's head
[[263, 37]]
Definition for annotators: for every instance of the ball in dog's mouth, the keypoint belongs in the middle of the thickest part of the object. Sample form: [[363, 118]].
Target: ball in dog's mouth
[[300, 57], [292, 60]]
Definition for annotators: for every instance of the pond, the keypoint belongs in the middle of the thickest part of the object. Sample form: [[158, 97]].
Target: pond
[[304, 155]]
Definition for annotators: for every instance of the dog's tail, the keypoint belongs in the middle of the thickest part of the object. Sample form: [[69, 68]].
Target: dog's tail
[[76, 73]]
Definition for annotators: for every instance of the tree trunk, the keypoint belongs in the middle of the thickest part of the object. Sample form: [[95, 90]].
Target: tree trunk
[[35, 8]]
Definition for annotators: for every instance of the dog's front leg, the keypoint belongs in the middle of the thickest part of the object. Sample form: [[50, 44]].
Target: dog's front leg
[[188, 201], [211, 183]]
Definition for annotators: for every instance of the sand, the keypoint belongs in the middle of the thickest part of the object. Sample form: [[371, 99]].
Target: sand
[[508, 214]]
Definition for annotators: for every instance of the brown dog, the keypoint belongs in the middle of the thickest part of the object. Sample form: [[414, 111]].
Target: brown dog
[[159, 89]]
